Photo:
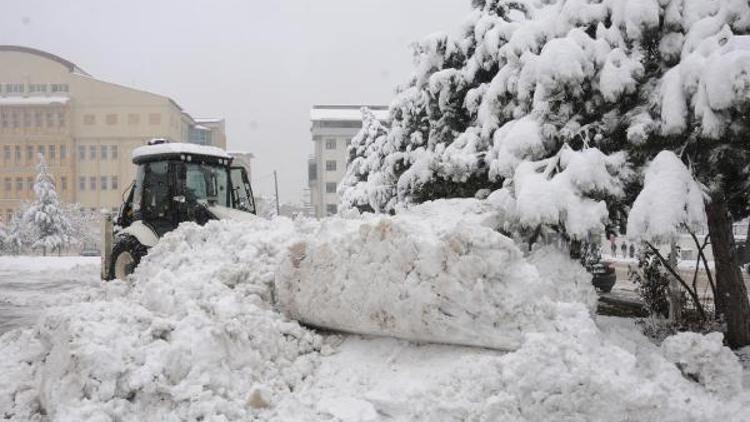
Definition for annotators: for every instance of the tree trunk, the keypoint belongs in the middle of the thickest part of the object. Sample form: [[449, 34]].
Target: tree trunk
[[731, 294], [676, 304]]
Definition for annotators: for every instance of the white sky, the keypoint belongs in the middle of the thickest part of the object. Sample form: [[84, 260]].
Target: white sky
[[259, 64]]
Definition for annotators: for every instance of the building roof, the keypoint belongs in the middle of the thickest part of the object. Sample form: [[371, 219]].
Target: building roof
[[33, 100], [72, 67], [346, 112]]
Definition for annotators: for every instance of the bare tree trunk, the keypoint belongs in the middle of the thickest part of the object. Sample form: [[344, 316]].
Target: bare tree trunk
[[731, 294], [675, 292]]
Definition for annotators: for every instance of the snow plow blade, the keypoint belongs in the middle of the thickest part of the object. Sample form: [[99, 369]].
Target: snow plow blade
[[425, 280]]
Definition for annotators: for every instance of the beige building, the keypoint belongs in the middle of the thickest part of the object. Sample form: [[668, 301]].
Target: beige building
[[333, 127], [86, 128]]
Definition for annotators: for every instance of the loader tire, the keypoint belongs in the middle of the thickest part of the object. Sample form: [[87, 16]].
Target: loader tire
[[126, 255]]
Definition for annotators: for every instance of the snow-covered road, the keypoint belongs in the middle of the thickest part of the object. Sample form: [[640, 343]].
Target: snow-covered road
[[28, 285]]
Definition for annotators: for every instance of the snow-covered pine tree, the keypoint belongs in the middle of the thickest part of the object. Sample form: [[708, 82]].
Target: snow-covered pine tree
[[366, 152], [52, 228], [545, 98]]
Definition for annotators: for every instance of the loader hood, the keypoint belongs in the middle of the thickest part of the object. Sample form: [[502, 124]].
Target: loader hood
[[224, 213]]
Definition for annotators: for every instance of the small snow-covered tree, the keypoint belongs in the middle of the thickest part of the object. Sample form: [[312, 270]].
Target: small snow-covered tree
[[85, 225], [3, 237], [20, 234], [52, 228]]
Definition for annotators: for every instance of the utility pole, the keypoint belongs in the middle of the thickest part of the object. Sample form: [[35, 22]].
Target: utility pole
[[276, 187]]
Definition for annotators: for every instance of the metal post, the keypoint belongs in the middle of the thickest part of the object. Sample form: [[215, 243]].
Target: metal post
[[276, 187]]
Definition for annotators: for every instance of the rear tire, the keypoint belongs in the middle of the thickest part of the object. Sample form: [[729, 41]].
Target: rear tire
[[126, 255]]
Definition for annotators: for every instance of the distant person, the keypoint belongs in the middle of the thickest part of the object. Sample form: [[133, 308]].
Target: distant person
[[613, 244], [624, 250], [632, 251]]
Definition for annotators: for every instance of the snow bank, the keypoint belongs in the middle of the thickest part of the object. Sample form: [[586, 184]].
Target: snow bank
[[422, 275], [195, 337]]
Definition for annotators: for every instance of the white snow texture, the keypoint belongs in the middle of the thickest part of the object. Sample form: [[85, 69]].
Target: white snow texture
[[194, 334]]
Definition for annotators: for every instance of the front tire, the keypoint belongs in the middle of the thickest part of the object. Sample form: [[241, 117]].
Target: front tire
[[126, 255]]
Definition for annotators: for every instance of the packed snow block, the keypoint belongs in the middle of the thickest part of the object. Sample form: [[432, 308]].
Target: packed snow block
[[422, 278]]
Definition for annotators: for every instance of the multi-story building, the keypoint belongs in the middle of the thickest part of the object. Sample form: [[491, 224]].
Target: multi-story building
[[86, 128], [333, 127]]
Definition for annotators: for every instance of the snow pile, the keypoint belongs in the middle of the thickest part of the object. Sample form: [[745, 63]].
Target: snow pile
[[705, 360], [194, 338], [437, 279], [584, 371]]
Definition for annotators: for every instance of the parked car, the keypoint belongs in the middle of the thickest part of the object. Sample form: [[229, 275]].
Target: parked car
[[90, 251], [604, 275]]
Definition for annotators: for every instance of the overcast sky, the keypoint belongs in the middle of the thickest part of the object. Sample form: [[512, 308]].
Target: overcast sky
[[259, 64]]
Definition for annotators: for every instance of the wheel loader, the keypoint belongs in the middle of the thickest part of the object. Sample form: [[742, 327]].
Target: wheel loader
[[175, 183]]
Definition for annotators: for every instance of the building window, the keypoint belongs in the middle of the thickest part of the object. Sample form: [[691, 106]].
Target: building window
[[52, 152], [330, 144], [50, 119], [40, 149], [317, 137], [92, 152], [312, 171], [4, 119], [63, 152], [89, 119], [29, 152], [64, 183], [8, 184], [115, 184], [103, 152], [19, 184], [330, 165], [18, 153], [38, 88], [81, 183], [331, 187], [111, 119], [154, 119], [59, 87], [61, 119], [92, 183], [103, 183], [134, 119], [113, 150], [26, 119], [81, 152], [14, 88], [6, 152], [14, 119], [331, 209], [38, 119], [30, 183]]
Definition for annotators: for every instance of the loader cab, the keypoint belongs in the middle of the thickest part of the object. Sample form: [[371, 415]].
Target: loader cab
[[175, 183], [173, 186]]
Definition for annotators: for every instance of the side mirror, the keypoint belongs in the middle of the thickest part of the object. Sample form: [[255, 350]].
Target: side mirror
[[179, 198]]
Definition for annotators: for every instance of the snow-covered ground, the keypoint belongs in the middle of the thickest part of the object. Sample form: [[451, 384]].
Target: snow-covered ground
[[196, 335], [28, 284]]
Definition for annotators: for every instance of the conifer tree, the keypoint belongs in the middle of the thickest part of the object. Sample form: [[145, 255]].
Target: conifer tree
[[51, 226]]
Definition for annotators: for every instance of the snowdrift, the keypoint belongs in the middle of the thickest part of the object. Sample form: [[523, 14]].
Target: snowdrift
[[195, 337], [431, 274]]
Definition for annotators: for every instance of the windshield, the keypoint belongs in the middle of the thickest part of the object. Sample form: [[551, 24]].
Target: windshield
[[207, 184]]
